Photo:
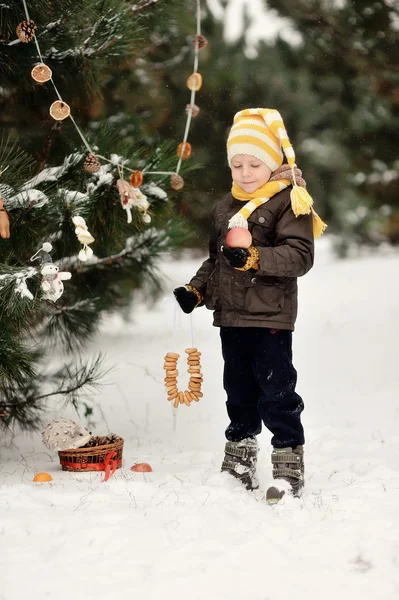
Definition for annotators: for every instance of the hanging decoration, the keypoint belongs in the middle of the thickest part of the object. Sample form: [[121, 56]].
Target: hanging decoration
[[184, 150], [84, 236], [60, 110], [41, 73], [52, 279], [26, 31], [92, 163], [136, 179], [194, 82], [130, 195], [194, 385], [4, 221], [200, 40], [133, 197], [177, 182], [195, 110]]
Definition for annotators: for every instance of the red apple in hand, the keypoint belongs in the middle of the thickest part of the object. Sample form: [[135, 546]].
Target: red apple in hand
[[239, 237]]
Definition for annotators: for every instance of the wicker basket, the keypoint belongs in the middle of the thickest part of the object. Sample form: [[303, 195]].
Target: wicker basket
[[96, 458]]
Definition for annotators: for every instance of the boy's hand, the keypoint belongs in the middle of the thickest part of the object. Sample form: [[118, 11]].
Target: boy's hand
[[237, 257], [187, 299]]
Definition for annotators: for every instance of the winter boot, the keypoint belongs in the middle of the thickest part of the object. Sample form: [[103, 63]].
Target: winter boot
[[240, 461], [288, 464]]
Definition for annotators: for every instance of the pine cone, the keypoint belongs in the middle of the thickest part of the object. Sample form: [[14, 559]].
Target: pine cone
[[177, 182], [91, 163], [102, 440], [26, 31], [202, 41]]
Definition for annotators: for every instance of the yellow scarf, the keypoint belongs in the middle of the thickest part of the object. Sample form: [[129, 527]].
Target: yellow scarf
[[301, 203]]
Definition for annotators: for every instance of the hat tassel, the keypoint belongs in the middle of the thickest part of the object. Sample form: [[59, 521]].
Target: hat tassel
[[319, 226], [301, 200], [302, 204]]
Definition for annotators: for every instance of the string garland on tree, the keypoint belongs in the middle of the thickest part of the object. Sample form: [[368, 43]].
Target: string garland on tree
[[60, 110]]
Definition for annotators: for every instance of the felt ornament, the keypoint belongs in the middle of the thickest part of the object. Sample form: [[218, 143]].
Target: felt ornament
[[133, 198], [51, 284], [84, 236], [65, 434], [52, 279]]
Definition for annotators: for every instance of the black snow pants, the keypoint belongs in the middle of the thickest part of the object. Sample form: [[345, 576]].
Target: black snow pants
[[260, 379]]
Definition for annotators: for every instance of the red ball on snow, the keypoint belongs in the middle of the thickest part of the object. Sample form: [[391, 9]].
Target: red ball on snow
[[141, 468], [239, 237]]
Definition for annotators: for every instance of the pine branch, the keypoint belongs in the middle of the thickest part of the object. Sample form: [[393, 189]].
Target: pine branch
[[73, 378], [23, 403], [143, 5]]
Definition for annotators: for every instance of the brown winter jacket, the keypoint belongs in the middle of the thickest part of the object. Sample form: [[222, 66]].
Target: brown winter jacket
[[267, 297]]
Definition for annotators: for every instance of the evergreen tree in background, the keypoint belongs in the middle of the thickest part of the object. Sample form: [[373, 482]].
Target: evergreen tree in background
[[351, 51], [338, 91], [46, 181]]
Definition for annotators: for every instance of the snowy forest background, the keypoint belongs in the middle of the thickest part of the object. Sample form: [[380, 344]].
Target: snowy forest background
[[185, 529], [330, 68]]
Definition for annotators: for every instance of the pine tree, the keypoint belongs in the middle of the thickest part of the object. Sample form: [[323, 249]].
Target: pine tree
[[337, 90], [55, 177], [351, 52]]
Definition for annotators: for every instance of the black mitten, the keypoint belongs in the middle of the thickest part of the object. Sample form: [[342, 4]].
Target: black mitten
[[237, 257], [188, 300]]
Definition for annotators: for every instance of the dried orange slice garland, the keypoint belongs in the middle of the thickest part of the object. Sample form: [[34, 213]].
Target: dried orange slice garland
[[194, 385]]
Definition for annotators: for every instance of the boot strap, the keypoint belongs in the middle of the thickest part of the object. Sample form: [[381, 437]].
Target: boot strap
[[230, 465], [243, 452], [293, 473], [289, 457]]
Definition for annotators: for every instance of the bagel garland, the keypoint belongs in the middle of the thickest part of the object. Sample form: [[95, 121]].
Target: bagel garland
[[193, 394]]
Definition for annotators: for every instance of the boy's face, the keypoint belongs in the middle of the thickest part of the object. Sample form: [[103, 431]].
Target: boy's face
[[249, 172]]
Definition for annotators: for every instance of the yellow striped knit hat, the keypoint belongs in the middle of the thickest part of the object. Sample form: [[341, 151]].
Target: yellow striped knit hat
[[260, 132]]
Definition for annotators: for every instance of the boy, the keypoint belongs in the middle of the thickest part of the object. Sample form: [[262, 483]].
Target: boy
[[253, 293]]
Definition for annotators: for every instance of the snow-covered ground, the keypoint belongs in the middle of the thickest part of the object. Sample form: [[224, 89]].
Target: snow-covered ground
[[187, 531]]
